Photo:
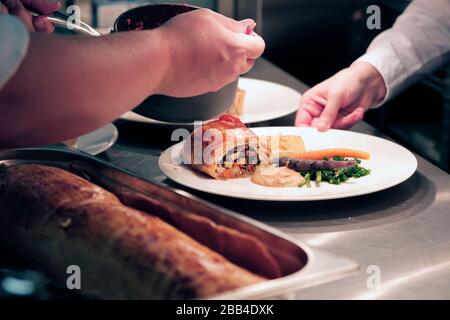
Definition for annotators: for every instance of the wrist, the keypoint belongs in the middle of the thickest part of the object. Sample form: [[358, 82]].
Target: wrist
[[372, 80], [157, 59]]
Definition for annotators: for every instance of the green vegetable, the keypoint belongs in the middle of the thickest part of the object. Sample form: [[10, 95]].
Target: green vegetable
[[336, 176], [308, 180], [318, 178]]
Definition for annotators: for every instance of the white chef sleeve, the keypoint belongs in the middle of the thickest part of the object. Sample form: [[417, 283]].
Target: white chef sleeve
[[14, 39], [418, 43]]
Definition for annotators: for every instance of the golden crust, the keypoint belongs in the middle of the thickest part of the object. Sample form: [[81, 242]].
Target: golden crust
[[218, 137], [58, 219]]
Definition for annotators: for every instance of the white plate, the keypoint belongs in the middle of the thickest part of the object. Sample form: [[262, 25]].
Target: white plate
[[99, 140], [391, 164], [263, 101]]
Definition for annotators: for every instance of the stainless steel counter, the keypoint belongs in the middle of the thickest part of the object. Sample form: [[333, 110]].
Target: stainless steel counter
[[403, 232]]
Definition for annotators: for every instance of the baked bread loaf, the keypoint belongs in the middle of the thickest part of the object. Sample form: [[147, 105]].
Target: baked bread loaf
[[51, 219], [228, 242]]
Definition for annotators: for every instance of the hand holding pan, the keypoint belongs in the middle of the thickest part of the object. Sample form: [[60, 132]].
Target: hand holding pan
[[183, 109]]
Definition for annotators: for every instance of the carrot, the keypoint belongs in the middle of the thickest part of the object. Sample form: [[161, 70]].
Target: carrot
[[329, 153]]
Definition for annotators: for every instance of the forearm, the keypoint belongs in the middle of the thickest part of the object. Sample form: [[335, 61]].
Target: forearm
[[67, 86], [418, 42]]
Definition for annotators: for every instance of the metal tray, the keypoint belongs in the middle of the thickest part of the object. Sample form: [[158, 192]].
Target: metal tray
[[312, 266]]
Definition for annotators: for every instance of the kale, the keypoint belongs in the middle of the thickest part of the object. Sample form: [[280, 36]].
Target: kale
[[337, 176]]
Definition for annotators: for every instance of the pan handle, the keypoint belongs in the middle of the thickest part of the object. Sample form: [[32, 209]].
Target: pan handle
[[61, 20]]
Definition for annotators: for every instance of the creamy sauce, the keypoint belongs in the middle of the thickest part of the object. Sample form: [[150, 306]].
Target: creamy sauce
[[281, 177]]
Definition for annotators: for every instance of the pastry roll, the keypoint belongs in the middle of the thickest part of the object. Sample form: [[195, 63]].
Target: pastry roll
[[226, 149]]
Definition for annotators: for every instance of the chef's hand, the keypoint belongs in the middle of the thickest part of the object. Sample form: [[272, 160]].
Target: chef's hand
[[207, 51], [20, 8], [341, 101]]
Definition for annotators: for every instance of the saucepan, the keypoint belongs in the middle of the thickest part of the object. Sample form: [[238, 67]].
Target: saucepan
[[160, 107]]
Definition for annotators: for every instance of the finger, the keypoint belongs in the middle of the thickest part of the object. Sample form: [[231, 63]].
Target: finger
[[254, 45], [246, 26], [349, 120], [314, 109], [15, 7], [314, 122], [303, 118], [251, 30], [311, 107], [316, 96], [318, 99], [41, 24], [243, 26], [330, 112], [42, 6], [307, 113], [248, 66]]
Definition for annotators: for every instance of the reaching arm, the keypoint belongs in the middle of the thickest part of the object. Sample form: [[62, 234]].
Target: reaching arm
[[418, 42], [69, 85], [66, 86]]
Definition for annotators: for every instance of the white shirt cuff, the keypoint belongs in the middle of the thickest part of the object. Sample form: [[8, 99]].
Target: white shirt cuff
[[386, 62]]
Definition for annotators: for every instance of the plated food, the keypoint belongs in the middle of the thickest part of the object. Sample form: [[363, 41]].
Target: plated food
[[273, 161], [281, 177], [389, 164], [226, 149]]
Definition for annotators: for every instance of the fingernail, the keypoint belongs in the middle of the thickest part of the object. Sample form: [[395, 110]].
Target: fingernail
[[322, 126]]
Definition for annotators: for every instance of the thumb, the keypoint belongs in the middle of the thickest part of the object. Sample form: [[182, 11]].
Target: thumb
[[243, 26], [254, 45], [329, 113], [246, 26]]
